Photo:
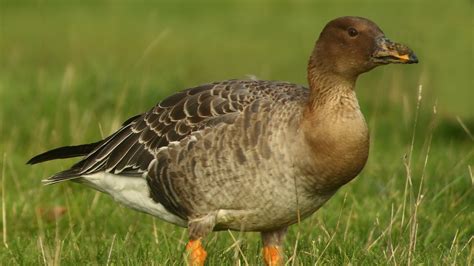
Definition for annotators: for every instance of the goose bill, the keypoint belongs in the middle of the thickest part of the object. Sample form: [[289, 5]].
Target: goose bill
[[388, 52]]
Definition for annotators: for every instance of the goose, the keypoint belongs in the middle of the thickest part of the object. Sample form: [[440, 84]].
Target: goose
[[246, 155]]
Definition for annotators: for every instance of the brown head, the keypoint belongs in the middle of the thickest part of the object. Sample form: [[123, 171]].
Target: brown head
[[350, 46]]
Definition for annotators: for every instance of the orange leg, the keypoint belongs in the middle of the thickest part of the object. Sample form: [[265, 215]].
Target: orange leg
[[273, 246], [272, 256], [196, 253]]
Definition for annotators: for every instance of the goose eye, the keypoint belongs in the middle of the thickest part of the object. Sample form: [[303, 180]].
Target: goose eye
[[352, 32]]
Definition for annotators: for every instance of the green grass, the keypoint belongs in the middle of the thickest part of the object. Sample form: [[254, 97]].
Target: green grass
[[71, 73]]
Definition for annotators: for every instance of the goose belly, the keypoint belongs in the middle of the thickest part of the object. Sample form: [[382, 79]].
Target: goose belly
[[276, 214]]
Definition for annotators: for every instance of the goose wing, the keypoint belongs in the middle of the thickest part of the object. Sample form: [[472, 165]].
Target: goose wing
[[130, 150]]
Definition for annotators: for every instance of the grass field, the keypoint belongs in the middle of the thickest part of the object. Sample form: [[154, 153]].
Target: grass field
[[71, 73]]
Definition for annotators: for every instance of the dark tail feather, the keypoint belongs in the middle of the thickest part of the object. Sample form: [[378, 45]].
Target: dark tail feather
[[64, 152], [69, 174], [73, 151]]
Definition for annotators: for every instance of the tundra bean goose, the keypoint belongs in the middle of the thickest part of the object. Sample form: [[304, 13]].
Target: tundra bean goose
[[248, 155]]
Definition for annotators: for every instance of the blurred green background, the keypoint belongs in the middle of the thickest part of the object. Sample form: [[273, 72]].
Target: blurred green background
[[72, 71]]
